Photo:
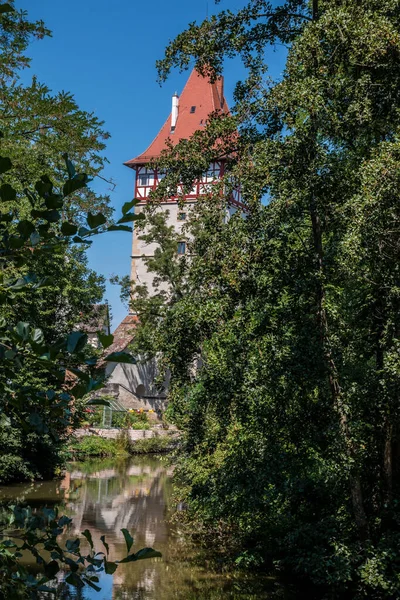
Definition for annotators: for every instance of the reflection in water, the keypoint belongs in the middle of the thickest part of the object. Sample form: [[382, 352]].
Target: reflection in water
[[105, 497]]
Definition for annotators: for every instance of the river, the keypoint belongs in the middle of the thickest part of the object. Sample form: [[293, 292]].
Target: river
[[104, 497]]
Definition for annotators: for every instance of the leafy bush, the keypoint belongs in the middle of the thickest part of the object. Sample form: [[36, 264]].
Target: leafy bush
[[152, 445], [93, 445]]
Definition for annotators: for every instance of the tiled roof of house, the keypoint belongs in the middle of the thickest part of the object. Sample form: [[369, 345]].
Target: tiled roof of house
[[199, 98], [123, 335]]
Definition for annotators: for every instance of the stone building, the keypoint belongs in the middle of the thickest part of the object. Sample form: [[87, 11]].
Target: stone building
[[189, 113]]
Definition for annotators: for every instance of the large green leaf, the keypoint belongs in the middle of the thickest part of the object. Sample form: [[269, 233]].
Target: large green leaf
[[76, 341], [130, 216], [5, 162], [44, 187], [141, 555], [68, 228], [128, 539], [88, 536], [70, 166], [128, 205], [110, 567], [23, 330], [74, 580], [6, 8], [105, 340], [78, 182], [95, 220], [26, 227], [121, 357], [7, 192], [120, 228]]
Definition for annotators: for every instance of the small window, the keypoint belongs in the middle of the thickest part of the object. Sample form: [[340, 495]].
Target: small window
[[182, 216], [192, 109], [181, 247], [146, 178]]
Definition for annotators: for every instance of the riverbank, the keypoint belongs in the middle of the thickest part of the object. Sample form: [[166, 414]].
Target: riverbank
[[121, 446]]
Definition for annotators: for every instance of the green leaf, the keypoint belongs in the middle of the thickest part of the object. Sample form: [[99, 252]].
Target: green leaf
[[105, 340], [145, 553], [52, 216], [120, 228], [73, 545], [34, 238], [7, 192], [90, 583], [5, 162], [64, 520], [74, 580], [79, 240], [6, 8], [37, 336], [68, 228], [95, 220], [110, 567], [37, 422], [128, 205], [20, 283], [83, 231], [51, 569], [103, 540], [26, 227], [16, 242], [72, 185], [88, 536], [129, 217], [70, 166], [44, 187], [22, 329], [120, 357], [128, 539], [76, 341]]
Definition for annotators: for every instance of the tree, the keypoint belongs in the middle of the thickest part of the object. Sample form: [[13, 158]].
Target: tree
[[291, 417], [37, 129]]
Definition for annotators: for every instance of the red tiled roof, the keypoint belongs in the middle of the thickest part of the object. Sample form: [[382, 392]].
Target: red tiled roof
[[199, 92]]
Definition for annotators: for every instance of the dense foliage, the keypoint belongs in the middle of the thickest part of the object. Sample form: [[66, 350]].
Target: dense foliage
[[46, 289], [37, 130], [284, 346]]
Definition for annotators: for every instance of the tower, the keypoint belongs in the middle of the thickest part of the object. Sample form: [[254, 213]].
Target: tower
[[189, 113]]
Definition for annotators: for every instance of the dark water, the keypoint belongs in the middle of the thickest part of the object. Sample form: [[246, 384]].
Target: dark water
[[104, 497]]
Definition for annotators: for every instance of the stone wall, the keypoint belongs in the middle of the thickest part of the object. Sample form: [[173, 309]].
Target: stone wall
[[134, 434]]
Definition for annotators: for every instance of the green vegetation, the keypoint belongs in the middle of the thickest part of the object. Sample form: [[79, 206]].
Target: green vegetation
[[92, 445], [47, 368], [127, 419], [291, 420]]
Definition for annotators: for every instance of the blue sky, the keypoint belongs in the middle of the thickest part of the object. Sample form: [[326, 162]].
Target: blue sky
[[104, 53]]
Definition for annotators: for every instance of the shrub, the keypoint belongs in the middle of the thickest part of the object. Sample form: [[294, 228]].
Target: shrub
[[92, 445], [152, 445]]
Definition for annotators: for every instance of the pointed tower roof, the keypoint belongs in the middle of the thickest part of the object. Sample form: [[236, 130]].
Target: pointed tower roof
[[199, 98]]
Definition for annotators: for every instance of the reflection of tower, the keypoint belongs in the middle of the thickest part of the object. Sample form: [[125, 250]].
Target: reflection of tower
[[189, 114]]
